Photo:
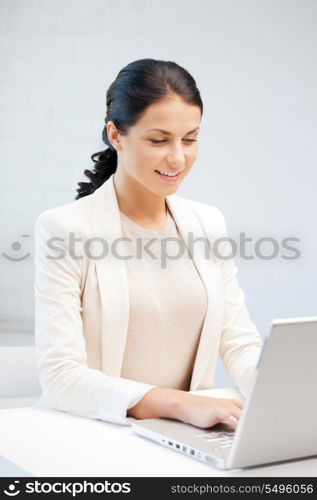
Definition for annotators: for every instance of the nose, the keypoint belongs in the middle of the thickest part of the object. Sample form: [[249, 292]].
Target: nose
[[176, 157]]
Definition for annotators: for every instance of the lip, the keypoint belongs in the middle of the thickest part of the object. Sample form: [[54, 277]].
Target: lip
[[168, 178]]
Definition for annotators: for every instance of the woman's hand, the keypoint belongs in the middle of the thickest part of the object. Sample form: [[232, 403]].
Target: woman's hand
[[205, 411], [201, 411]]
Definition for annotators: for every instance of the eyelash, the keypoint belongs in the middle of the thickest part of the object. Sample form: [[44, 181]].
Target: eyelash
[[164, 140]]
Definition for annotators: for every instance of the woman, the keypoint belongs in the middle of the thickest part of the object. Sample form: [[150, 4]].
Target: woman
[[120, 337]]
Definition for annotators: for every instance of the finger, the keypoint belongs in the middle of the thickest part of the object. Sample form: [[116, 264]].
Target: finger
[[231, 420], [231, 417], [236, 413], [225, 416], [239, 403]]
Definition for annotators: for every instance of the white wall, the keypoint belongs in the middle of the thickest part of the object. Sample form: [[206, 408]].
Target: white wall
[[255, 64]]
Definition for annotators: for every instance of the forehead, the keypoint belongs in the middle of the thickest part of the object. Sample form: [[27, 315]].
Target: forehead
[[172, 115]]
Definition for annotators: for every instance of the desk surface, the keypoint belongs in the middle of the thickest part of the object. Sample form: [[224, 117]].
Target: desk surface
[[53, 443]]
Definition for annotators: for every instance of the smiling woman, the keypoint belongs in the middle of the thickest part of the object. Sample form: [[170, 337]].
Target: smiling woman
[[154, 110], [169, 159], [125, 337]]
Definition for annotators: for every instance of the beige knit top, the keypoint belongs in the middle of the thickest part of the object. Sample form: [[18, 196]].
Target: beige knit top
[[167, 306]]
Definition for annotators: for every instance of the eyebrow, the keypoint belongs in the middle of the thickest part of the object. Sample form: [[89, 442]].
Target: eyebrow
[[169, 133]]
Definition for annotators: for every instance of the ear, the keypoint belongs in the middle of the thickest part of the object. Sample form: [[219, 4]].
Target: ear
[[113, 135]]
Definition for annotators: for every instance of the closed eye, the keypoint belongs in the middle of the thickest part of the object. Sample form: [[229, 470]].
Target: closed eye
[[164, 140]]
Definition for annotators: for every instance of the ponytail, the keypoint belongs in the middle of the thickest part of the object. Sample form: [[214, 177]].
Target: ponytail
[[105, 166]]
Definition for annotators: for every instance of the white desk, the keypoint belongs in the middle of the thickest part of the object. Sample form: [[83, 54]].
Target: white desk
[[54, 443]]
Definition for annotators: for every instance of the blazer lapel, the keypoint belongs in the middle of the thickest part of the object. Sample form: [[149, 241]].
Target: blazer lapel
[[113, 280]]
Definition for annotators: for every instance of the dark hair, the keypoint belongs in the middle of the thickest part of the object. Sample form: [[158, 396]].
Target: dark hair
[[138, 85]]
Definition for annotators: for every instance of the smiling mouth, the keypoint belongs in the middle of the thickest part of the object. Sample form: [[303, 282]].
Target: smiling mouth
[[168, 174]]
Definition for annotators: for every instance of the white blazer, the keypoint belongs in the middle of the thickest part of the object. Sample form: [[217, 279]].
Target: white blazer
[[82, 306]]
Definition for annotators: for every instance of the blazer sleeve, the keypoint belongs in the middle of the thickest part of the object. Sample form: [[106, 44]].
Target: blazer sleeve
[[240, 341], [67, 382]]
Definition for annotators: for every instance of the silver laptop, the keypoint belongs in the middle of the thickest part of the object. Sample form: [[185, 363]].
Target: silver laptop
[[279, 417]]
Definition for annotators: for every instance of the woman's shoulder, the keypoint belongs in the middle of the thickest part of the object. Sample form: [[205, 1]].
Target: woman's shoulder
[[72, 215]]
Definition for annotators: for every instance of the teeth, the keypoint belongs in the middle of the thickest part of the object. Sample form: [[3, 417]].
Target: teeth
[[167, 173]]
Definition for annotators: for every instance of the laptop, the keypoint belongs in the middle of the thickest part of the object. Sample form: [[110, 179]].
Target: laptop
[[278, 421]]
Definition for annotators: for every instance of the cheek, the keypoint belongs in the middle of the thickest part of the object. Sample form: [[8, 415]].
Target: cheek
[[191, 156], [151, 156], [135, 157]]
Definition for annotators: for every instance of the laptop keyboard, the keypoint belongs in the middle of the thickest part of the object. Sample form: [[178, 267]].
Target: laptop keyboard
[[222, 440]]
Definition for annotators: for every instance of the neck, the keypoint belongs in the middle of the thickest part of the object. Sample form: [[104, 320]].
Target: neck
[[137, 202]]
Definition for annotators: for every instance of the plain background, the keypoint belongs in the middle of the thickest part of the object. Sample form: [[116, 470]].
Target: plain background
[[254, 62]]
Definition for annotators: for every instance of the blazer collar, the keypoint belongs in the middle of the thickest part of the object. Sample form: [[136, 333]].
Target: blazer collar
[[113, 280]]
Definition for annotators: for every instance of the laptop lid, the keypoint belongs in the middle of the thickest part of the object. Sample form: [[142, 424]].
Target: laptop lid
[[279, 418]]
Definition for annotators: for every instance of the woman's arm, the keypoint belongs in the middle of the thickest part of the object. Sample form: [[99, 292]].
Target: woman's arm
[[67, 382], [240, 341]]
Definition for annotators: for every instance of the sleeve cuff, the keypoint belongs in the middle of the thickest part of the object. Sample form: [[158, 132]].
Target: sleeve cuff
[[116, 401]]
